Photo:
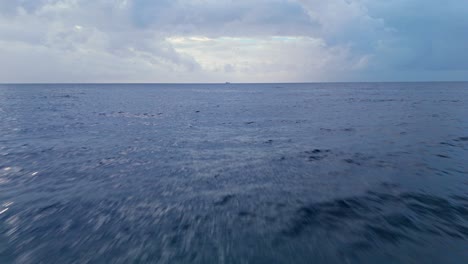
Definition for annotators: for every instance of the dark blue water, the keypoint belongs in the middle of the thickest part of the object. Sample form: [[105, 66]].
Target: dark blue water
[[273, 173]]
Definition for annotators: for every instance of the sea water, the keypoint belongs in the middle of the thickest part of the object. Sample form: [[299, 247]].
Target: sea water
[[234, 173]]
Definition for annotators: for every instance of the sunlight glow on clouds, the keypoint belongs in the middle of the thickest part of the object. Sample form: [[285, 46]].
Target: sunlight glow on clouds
[[278, 58], [238, 41]]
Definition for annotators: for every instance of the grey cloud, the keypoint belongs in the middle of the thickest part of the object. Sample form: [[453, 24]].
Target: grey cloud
[[92, 40], [222, 18]]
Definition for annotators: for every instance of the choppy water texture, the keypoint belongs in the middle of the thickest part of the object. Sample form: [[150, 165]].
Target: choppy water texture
[[273, 173]]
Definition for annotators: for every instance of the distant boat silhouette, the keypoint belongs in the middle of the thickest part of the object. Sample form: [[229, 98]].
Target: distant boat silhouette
[[228, 83]]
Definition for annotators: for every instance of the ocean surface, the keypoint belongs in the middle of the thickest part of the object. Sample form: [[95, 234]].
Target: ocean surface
[[234, 173]]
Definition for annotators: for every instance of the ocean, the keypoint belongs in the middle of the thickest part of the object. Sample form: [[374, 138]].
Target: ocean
[[234, 173]]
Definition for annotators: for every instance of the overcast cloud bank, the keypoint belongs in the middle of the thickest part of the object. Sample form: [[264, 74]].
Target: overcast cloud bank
[[241, 41]]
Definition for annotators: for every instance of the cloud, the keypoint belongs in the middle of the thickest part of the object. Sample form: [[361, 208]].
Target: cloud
[[208, 40], [433, 38], [73, 45], [277, 59], [215, 18]]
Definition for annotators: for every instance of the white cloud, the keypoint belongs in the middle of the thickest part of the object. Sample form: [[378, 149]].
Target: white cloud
[[271, 59]]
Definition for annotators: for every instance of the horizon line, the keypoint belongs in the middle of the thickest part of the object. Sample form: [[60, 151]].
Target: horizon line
[[217, 83]]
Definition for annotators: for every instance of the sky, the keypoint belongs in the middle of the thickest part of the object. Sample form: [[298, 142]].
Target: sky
[[180, 41]]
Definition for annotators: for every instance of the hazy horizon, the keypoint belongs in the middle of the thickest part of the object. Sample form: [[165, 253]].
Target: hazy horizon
[[219, 83]]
